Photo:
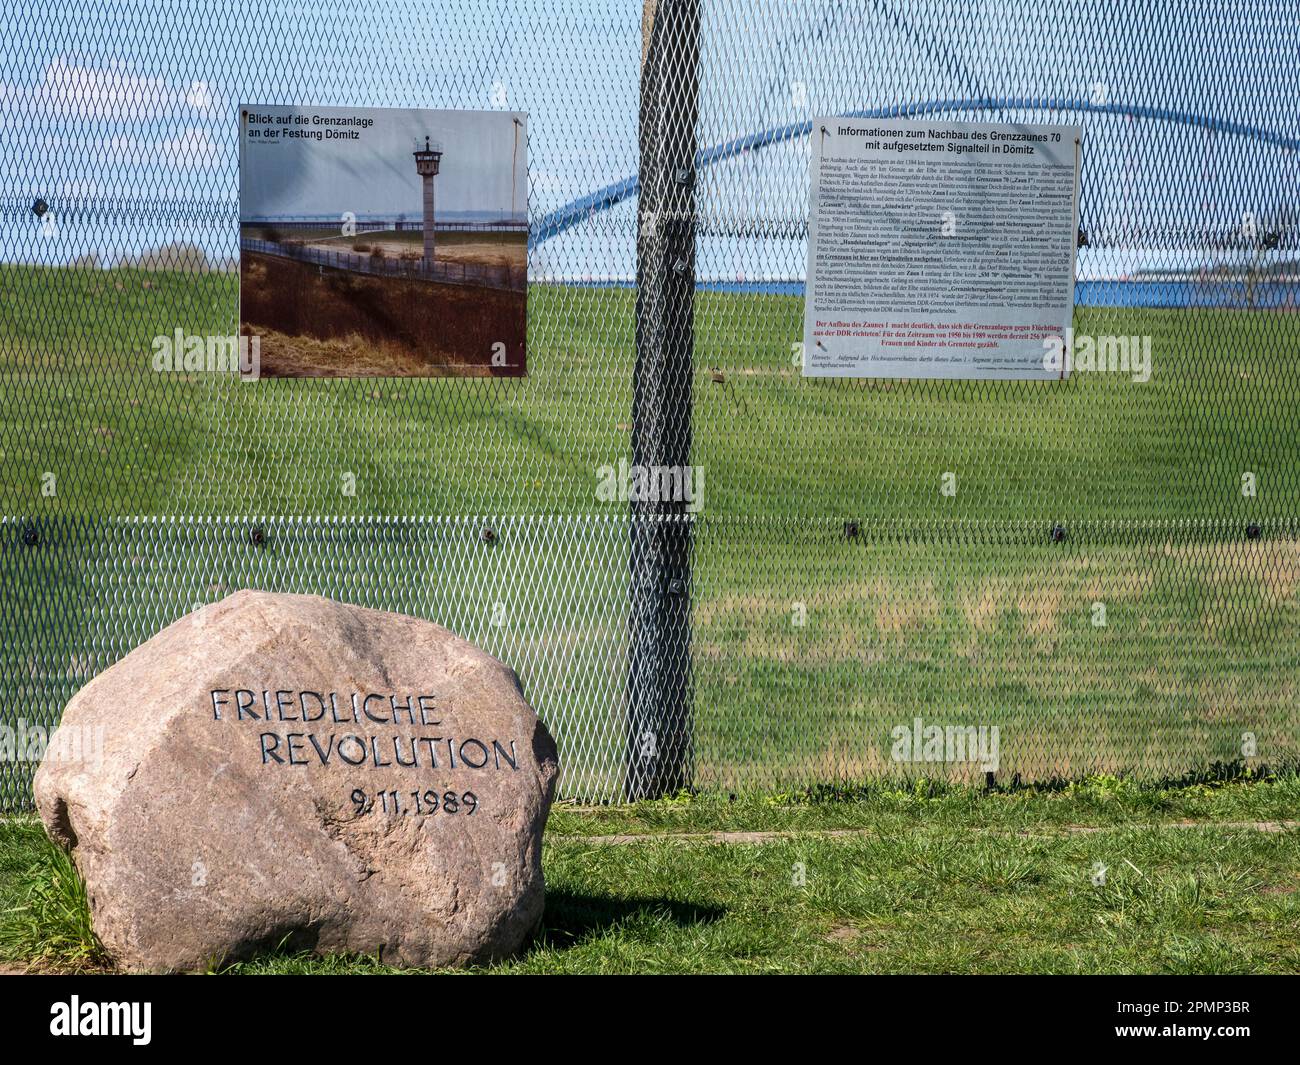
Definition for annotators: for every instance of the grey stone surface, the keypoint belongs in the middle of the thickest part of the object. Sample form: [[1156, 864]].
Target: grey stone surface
[[284, 769]]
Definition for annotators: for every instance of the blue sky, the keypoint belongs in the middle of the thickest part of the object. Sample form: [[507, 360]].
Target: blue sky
[[123, 116], [292, 167]]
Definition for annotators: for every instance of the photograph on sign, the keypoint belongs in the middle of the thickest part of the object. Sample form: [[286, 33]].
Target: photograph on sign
[[940, 249], [383, 242]]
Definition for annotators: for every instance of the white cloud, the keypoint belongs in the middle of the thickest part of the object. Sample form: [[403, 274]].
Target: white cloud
[[15, 106], [190, 150], [76, 90], [78, 189], [109, 92], [199, 97]]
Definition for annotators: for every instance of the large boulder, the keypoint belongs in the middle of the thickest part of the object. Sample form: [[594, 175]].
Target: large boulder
[[287, 771]]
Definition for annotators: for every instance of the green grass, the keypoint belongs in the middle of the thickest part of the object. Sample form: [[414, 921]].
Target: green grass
[[80, 399], [960, 608], [44, 913], [957, 882]]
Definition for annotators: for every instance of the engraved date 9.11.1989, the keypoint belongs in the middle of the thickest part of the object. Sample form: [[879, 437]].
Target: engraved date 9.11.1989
[[419, 803]]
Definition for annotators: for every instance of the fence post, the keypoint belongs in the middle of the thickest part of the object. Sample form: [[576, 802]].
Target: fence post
[[659, 668]]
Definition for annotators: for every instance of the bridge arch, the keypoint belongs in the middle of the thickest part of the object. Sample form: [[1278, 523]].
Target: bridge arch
[[576, 211]]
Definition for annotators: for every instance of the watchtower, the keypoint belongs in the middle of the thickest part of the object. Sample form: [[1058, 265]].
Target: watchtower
[[427, 160]]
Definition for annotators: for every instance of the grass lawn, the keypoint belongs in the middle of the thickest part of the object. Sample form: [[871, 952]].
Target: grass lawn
[[1196, 880], [81, 400], [960, 608]]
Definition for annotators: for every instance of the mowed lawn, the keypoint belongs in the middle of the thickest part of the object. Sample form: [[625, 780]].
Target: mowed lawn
[[1101, 878], [811, 642], [82, 400]]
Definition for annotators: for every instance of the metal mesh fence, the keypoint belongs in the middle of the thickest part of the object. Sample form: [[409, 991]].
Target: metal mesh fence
[[1112, 585]]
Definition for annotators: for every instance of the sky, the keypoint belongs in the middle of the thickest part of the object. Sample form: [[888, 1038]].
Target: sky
[[122, 115], [306, 162]]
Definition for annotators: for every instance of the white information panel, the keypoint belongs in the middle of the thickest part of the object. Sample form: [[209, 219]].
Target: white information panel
[[940, 249]]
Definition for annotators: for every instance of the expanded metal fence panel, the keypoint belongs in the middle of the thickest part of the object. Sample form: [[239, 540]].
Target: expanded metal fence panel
[[143, 490], [548, 594], [1103, 569], [813, 651]]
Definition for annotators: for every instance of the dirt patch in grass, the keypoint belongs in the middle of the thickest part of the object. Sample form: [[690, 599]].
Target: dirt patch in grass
[[776, 836], [471, 248], [320, 322], [352, 356], [477, 253]]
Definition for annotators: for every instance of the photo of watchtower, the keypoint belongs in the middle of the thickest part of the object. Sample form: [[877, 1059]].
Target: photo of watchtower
[[427, 160], [338, 278]]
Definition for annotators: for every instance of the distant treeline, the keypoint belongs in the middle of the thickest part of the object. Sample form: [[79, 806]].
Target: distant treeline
[[177, 257]]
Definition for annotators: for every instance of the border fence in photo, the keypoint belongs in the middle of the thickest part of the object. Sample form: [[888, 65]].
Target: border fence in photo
[[478, 274], [858, 580]]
